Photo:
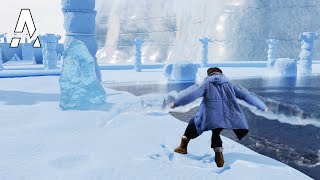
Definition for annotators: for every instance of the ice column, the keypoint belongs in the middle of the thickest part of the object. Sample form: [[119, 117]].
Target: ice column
[[272, 45], [1, 67], [137, 63], [205, 41], [307, 45], [79, 23], [50, 57]]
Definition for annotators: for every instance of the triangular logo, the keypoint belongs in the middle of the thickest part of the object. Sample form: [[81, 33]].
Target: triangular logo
[[37, 43]]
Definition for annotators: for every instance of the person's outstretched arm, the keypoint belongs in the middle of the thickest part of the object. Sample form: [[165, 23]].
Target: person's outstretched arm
[[190, 96], [244, 94]]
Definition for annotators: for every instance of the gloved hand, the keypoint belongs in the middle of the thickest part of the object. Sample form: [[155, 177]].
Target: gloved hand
[[170, 102], [172, 106]]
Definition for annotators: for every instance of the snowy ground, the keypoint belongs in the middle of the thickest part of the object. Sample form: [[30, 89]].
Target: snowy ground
[[40, 141]]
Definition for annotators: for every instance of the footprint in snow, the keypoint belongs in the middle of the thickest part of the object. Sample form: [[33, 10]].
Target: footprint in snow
[[166, 153], [221, 170], [206, 160]]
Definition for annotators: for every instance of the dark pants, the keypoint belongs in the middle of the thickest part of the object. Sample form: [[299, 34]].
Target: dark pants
[[191, 133]]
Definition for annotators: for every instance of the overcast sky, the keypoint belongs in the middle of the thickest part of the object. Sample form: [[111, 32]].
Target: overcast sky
[[47, 15]]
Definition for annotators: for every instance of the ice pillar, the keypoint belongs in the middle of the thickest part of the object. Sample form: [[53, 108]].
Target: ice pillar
[[137, 63], [1, 67], [50, 56], [79, 23], [205, 41], [307, 45], [272, 45]]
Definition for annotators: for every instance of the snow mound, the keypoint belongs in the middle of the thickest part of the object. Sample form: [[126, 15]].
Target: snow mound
[[79, 85], [92, 145], [285, 67], [181, 71]]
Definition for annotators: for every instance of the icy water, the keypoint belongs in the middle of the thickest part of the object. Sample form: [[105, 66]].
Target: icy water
[[297, 146]]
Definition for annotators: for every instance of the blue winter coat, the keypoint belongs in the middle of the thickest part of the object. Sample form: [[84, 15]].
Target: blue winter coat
[[219, 107]]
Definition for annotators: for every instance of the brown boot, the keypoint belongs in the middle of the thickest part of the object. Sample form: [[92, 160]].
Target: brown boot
[[219, 156], [182, 149]]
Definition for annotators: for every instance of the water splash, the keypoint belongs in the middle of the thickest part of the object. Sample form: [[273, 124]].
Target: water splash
[[310, 160], [284, 113], [162, 101]]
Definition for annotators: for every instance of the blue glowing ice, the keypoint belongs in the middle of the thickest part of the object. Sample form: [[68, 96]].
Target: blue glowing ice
[[79, 84], [285, 67], [182, 71]]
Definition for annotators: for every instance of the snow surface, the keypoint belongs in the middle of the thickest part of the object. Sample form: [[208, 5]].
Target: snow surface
[[40, 141]]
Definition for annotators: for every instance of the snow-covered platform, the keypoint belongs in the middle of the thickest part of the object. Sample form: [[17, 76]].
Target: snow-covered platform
[[40, 141], [28, 69], [124, 73]]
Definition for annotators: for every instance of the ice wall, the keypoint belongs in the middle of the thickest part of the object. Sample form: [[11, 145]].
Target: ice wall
[[248, 23], [171, 28], [153, 22]]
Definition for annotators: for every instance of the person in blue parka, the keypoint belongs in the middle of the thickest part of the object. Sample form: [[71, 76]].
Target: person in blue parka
[[218, 110]]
